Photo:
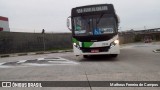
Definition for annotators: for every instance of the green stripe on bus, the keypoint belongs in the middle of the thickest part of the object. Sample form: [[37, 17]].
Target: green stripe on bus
[[75, 41], [87, 44]]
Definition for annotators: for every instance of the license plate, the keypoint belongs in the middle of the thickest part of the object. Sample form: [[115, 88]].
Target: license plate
[[95, 51]]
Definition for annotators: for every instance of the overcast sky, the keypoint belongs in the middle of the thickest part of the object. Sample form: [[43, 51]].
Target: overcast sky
[[34, 15]]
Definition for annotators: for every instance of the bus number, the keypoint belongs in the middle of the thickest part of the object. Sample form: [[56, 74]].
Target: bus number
[[104, 44]]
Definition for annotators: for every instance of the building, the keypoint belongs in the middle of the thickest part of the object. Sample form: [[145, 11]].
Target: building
[[4, 24]]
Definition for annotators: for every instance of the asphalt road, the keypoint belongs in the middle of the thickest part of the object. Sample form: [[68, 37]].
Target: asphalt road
[[137, 62]]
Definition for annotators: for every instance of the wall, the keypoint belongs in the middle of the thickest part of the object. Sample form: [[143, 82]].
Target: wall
[[13, 42], [127, 38]]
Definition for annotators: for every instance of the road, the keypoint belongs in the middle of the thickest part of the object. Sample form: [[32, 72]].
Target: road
[[137, 62]]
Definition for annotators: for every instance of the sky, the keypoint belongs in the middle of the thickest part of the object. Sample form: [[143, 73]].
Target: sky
[[51, 15]]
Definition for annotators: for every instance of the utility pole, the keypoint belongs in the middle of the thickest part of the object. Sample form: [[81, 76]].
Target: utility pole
[[44, 45]]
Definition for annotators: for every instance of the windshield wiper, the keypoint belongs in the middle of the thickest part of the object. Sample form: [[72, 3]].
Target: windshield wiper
[[99, 19]]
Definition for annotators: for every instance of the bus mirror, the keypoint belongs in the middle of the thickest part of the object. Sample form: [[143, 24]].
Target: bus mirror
[[68, 23]]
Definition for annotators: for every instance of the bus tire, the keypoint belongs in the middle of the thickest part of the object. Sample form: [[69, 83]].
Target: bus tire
[[114, 55], [85, 56]]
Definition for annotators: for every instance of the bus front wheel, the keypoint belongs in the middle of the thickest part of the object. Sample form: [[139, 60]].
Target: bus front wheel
[[85, 56], [114, 55]]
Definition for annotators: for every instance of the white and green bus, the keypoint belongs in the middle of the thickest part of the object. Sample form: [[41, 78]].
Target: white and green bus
[[94, 30]]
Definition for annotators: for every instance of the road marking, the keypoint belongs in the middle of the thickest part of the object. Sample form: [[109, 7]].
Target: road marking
[[22, 61], [38, 62]]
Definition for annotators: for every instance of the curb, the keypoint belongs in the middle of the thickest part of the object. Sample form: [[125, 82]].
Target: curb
[[3, 56], [33, 53]]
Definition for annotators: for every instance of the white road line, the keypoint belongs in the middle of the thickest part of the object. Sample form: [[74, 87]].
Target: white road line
[[2, 63], [40, 59], [22, 61]]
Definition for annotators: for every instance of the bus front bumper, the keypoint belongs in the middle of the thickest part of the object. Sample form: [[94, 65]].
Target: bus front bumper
[[112, 50]]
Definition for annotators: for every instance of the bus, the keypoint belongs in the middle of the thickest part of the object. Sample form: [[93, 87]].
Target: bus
[[94, 30]]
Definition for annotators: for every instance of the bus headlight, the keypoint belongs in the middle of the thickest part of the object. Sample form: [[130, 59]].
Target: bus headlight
[[114, 43], [74, 44]]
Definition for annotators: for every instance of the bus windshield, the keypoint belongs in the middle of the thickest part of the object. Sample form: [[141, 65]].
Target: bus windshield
[[94, 25]]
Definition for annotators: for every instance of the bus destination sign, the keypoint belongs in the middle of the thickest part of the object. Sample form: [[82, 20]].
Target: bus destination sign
[[92, 9]]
